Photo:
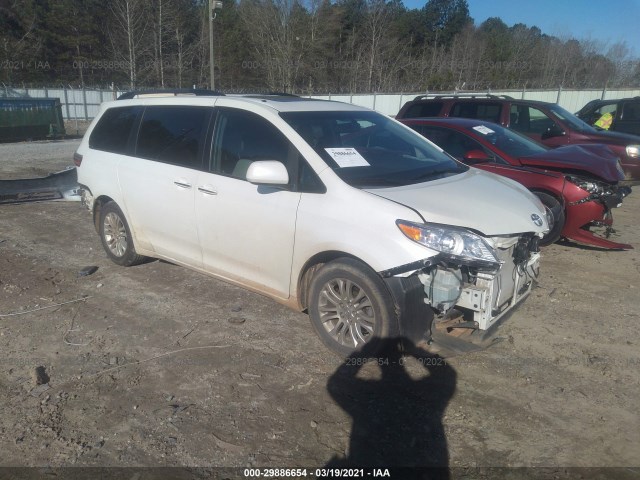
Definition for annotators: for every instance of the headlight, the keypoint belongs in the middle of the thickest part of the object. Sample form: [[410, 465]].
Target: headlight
[[633, 151], [452, 241], [586, 184]]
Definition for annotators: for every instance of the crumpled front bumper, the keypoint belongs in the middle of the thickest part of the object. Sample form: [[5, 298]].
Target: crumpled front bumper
[[494, 295], [484, 297], [594, 212]]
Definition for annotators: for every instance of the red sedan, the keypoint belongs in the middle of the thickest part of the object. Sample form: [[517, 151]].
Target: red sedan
[[578, 184]]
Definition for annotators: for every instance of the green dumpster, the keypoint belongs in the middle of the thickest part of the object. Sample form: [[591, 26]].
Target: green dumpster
[[30, 118]]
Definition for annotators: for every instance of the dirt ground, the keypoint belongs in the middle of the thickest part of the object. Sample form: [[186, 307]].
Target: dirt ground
[[161, 366]]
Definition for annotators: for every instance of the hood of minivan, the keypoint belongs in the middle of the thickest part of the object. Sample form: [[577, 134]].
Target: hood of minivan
[[598, 160], [477, 200]]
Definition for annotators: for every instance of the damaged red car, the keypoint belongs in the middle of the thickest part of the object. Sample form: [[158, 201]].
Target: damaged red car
[[579, 184]]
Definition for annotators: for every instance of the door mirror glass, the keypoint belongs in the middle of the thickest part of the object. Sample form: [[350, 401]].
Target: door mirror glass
[[476, 156], [267, 172]]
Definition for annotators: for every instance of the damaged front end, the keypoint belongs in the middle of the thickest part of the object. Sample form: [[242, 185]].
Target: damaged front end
[[462, 292], [589, 211]]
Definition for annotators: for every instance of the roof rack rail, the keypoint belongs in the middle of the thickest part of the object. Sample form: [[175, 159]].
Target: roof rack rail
[[462, 95], [170, 91], [270, 94]]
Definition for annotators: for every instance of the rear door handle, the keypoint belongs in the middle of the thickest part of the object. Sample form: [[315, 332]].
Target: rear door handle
[[182, 183], [207, 190]]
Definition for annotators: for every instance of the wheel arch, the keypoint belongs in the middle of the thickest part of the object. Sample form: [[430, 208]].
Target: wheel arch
[[98, 203], [311, 266], [555, 233], [557, 195]]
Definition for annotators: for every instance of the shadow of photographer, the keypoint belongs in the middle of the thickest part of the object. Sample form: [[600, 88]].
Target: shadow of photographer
[[397, 419]]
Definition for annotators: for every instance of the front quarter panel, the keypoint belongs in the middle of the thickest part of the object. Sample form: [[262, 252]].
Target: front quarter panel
[[357, 224]]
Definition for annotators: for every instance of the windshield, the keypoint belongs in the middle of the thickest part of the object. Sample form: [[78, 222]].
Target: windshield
[[369, 150], [510, 142], [574, 122]]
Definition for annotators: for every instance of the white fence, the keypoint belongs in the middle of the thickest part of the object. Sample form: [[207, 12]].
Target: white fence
[[83, 104], [77, 103], [572, 100]]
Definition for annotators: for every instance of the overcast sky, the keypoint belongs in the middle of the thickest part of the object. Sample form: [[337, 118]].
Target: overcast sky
[[610, 20]]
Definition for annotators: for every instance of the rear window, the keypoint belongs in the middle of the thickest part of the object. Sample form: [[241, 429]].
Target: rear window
[[111, 134], [173, 134], [426, 109], [489, 112]]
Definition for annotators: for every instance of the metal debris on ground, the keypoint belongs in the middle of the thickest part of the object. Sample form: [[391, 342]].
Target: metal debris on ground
[[86, 271]]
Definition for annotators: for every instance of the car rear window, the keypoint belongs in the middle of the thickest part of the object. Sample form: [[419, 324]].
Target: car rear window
[[111, 134], [426, 109]]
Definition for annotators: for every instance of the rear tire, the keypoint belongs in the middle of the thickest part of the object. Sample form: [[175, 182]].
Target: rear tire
[[350, 307], [557, 213], [116, 236]]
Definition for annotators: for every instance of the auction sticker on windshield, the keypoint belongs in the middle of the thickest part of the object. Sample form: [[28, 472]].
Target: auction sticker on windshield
[[483, 130], [347, 157]]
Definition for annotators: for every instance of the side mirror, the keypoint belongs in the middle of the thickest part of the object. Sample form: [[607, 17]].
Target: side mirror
[[268, 172], [553, 131], [476, 156]]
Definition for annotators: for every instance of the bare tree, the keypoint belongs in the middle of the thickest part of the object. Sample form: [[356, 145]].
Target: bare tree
[[127, 31], [376, 23], [21, 41]]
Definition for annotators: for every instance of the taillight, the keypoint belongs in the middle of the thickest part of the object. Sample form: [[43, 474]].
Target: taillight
[[77, 159]]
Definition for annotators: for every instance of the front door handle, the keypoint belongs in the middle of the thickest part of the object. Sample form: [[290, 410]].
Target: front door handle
[[207, 190], [182, 183]]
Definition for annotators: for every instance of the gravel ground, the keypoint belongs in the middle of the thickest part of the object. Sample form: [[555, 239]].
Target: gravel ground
[[162, 366], [35, 159]]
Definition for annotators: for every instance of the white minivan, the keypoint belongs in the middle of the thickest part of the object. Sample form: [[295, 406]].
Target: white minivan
[[327, 207]]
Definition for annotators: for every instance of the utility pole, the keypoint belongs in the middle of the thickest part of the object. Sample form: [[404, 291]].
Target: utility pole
[[213, 6]]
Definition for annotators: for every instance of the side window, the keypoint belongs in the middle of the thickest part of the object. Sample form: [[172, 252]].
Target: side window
[[173, 134], [487, 111], [425, 109], [600, 111], [526, 119], [308, 181], [112, 132], [241, 138], [631, 112], [435, 134]]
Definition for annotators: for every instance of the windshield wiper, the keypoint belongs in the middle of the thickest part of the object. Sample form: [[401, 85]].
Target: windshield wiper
[[434, 173], [372, 182]]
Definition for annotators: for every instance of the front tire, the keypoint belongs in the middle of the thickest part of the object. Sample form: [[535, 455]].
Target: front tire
[[350, 307], [116, 236], [557, 213]]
